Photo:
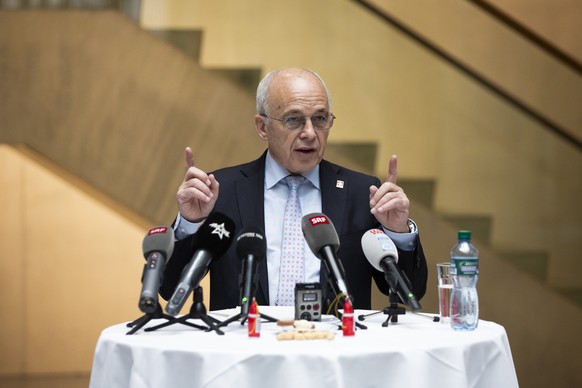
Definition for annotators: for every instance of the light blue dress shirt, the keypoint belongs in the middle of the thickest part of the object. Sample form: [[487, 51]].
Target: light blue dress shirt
[[276, 194]]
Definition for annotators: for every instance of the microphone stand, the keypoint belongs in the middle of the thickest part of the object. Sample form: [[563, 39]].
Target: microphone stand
[[243, 317], [141, 321], [340, 315], [393, 310], [358, 324], [335, 289], [197, 311]]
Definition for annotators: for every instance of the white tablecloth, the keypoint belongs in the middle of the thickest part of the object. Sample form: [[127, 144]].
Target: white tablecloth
[[414, 352]]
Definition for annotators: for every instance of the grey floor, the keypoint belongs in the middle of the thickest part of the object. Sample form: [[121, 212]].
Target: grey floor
[[48, 381]]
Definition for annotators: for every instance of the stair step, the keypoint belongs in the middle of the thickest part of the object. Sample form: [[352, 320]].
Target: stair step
[[534, 263], [248, 79], [419, 190], [187, 41], [479, 225], [574, 294], [362, 154]]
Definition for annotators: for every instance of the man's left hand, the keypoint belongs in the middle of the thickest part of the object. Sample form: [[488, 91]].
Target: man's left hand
[[388, 203]]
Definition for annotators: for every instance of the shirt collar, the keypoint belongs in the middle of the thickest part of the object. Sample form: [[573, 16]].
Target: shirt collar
[[274, 172]]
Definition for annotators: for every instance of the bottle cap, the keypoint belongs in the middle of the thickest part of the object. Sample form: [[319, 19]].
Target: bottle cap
[[464, 235]]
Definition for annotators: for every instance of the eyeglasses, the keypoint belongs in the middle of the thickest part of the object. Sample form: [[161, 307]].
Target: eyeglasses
[[320, 121]]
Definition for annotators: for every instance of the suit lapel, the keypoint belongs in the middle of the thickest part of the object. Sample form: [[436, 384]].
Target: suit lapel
[[250, 194], [334, 193], [334, 188]]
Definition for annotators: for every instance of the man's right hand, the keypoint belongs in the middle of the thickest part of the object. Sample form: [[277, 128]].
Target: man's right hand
[[197, 193]]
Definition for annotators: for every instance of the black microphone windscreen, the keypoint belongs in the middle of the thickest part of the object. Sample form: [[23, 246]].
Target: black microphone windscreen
[[159, 239], [251, 241], [215, 235], [319, 231]]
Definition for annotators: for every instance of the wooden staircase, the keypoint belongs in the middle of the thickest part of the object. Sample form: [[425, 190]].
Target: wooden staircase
[[124, 135], [362, 156]]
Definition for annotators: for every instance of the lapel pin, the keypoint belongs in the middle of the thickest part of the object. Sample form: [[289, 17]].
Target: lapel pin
[[339, 184]]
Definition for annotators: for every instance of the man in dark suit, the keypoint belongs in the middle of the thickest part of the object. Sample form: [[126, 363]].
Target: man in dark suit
[[294, 117]]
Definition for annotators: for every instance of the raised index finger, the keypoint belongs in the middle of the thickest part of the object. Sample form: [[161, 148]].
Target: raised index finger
[[393, 170], [189, 158]]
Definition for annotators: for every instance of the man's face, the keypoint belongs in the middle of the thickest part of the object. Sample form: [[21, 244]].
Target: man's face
[[295, 93]]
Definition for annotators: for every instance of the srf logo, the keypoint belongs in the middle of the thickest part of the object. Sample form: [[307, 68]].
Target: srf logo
[[161, 229], [376, 231], [318, 220]]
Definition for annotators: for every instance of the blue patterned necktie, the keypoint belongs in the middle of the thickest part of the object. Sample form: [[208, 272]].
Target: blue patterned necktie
[[292, 264]]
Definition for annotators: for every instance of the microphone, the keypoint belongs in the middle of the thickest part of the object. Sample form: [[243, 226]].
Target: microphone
[[383, 255], [157, 247], [212, 239], [251, 248], [323, 241]]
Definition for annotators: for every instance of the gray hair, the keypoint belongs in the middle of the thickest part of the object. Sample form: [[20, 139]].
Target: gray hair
[[263, 90]]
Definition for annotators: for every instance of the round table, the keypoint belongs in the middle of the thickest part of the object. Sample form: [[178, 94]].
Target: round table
[[413, 352]]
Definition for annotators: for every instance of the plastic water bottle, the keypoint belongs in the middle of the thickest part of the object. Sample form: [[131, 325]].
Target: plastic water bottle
[[464, 271]]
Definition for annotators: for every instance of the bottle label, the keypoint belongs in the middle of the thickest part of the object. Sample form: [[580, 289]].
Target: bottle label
[[254, 320], [254, 325], [464, 266], [348, 324]]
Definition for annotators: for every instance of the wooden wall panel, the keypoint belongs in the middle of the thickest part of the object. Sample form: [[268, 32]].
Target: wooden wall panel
[[72, 267], [116, 106], [12, 276]]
